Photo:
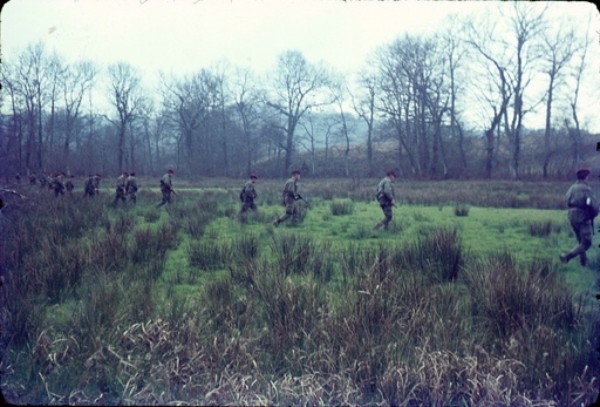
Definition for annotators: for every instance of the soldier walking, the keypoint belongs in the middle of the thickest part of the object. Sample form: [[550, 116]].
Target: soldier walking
[[69, 185], [131, 187], [166, 187], [97, 179], [583, 208], [120, 188], [386, 198], [91, 185], [248, 195], [43, 179], [58, 185], [290, 196]]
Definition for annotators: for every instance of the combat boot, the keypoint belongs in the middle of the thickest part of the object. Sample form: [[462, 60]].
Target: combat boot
[[583, 260], [565, 257]]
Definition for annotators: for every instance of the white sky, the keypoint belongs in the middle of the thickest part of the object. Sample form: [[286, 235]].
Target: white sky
[[182, 36]]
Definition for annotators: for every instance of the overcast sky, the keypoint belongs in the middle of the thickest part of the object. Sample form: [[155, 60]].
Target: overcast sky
[[182, 36]]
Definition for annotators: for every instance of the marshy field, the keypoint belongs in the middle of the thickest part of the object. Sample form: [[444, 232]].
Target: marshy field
[[462, 302]]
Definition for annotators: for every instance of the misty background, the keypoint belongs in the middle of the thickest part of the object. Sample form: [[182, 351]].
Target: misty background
[[434, 89]]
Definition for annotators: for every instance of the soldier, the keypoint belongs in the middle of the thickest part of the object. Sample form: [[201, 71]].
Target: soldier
[[43, 179], [248, 195], [131, 187], [120, 188], [385, 197], [97, 178], [58, 185], [166, 187], [88, 188], [32, 179], [290, 196], [69, 185], [91, 185], [583, 208], [18, 178]]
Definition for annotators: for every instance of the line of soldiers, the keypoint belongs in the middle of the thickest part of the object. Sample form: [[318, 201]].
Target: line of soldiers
[[126, 186], [583, 207], [58, 182], [385, 196]]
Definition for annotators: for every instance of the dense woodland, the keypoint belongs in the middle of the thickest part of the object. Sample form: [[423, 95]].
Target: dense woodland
[[447, 105]]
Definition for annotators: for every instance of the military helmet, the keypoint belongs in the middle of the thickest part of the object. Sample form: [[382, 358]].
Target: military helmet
[[170, 171], [132, 173], [296, 172], [391, 173], [253, 176]]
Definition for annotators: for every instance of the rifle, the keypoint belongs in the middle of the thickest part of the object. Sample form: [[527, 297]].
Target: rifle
[[299, 198], [12, 192]]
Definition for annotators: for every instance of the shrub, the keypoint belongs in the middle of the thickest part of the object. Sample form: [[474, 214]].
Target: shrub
[[246, 247], [208, 254], [511, 298], [542, 229], [439, 254], [291, 252], [461, 210], [341, 207]]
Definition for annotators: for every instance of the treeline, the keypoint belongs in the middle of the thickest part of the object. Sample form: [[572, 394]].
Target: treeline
[[446, 105]]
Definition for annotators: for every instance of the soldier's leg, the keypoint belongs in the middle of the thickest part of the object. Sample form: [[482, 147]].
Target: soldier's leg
[[583, 233], [383, 221], [163, 200], [289, 211], [388, 216]]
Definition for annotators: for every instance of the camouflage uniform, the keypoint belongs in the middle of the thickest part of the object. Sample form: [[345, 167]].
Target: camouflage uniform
[[91, 186], [290, 195], [120, 189], [88, 188], [43, 180], [583, 208], [69, 185], [58, 185], [131, 188], [247, 196], [385, 197], [166, 187]]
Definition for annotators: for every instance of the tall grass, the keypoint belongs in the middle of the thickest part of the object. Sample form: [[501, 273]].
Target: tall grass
[[291, 318]]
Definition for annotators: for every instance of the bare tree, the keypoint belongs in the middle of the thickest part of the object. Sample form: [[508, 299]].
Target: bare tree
[[559, 50], [455, 52], [527, 22], [308, 140], [126, 97], [30, 81], [364, 107], [78, 79], [297, 86], [575, 133]]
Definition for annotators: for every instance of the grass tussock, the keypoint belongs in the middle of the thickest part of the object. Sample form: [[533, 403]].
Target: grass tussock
[[461, 210], [287, 317], [341, 207]]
